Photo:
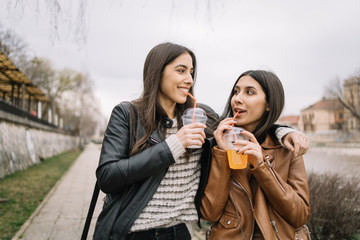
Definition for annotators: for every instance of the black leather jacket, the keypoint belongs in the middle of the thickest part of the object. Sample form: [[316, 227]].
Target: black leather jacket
[[131, 181]]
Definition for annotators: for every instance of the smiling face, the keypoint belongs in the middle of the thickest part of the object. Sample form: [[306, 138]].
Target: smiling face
[[250, 100], [175, 83]]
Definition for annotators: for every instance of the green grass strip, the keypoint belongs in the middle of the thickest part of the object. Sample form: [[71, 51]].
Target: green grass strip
[[25, 190]]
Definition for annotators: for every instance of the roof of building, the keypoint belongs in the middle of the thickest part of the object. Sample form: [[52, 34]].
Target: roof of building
[[326, 104], [10, 75], [352, 81], [289, 120]]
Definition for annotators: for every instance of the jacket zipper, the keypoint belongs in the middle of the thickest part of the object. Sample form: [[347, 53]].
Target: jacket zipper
[[273, 223], [272, 172], [234, 182], [153, 140]]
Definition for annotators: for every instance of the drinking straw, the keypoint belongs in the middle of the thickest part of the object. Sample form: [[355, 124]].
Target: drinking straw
[[233, 125], [194, 105], [235, 116]]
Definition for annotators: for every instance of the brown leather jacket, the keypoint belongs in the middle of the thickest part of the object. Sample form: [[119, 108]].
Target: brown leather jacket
[[280, 204]]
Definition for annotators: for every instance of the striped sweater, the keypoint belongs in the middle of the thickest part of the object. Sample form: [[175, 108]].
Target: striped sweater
[[173, 202]]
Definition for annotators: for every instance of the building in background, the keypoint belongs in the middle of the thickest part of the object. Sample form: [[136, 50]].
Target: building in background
[[329, 120], [325, 115], [352, 96], [290, 120]]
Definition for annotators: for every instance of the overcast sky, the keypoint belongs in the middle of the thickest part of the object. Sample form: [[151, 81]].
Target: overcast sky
[[306, 43]]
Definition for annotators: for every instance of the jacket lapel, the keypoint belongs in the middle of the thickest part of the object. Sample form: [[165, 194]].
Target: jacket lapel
[[241, 178], [261, 216]]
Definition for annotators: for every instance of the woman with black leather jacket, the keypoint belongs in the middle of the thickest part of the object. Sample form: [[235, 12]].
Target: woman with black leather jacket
[[149, 175]]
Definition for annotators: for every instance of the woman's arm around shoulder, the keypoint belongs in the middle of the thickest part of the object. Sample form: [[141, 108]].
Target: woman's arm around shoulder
[[293, 140]]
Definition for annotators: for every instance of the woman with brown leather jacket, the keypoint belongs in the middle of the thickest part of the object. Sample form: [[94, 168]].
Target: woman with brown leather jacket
[[269, 199]]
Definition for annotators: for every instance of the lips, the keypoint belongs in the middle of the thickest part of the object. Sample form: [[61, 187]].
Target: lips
[[240, 110], [184, 90]]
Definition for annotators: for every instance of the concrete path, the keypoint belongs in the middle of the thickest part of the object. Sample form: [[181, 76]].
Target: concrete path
[[63, 212]]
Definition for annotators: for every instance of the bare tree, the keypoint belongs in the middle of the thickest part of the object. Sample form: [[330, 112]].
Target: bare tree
[[69, 92], [80, 108], [59, 10], [52, 82], [348, 97], [13, 47], [42, 74]]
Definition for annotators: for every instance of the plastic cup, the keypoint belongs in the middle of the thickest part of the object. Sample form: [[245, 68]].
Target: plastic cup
[[192, 115], [236, 160]]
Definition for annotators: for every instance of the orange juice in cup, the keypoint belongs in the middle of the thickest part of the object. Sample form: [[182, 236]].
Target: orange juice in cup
[[236, 160]]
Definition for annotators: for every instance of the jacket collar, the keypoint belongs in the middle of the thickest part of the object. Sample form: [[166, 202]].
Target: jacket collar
[[166, 122], [156, 137]]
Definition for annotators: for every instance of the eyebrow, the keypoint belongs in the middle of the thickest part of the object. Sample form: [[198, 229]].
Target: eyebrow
[[247, 87], [184, 66]]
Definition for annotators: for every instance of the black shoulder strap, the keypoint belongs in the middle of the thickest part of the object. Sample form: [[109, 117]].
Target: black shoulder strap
[[133, 113], [133, 129], [90, 212]]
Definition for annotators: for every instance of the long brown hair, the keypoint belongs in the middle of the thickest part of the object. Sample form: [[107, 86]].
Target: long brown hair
[[275, 97], [150, 112]]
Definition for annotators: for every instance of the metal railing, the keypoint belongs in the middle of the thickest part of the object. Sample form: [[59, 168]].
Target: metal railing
[[7, 107]]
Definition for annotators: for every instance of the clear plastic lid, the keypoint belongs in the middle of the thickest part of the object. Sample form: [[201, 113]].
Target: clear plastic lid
[[198, 112]]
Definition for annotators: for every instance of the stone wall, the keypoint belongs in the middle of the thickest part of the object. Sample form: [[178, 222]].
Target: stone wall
[[23, 144]]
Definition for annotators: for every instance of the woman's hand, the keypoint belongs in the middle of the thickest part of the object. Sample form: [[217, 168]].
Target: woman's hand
[[191, 134], [223, 126], [296, 142], [252, 148]]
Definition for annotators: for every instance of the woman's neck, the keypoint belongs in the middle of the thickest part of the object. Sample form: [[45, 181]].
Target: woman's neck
[[169, 109]]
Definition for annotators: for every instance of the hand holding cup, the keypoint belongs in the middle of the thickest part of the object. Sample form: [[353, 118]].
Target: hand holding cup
[[237, 159], [192, 134], [249, 146]]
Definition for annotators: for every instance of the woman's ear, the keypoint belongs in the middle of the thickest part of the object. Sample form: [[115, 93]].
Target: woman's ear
[[267, 107]]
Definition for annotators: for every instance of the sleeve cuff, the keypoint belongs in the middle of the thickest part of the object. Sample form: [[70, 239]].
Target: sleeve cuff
[[175, 146], [281, 132]]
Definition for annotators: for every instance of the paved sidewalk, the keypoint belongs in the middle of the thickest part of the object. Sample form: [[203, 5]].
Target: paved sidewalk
[[63, 212]]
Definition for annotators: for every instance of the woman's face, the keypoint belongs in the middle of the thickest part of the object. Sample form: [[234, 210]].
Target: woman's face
[[176, 81], [250, 100]]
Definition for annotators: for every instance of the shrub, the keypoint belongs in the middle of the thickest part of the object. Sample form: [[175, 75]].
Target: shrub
[[335, 207]]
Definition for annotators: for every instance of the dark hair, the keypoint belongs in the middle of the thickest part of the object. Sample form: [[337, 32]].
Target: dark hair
[[149, 109], [273, 89]]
